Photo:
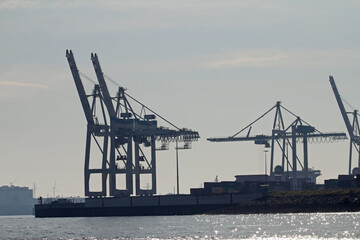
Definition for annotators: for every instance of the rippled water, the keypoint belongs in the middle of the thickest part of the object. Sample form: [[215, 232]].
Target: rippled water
[[271, 226]]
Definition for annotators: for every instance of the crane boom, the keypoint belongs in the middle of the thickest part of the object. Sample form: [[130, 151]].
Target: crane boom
[[103, 86], [336, 136], [342, 108], [351, 128], [79, 87]]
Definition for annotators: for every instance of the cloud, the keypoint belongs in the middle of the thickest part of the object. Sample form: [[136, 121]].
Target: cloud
[[11, 4], [247, 61], [114, 4], [18, 84], [285, 58]]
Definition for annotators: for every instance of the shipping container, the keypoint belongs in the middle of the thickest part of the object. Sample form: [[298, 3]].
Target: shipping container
[[346, 177], [217, 190], [200, 191], [331, 184]]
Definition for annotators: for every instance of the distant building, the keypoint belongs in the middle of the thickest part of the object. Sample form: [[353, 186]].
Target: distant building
[[16, 200]]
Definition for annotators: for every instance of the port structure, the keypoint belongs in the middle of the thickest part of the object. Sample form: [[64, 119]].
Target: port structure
[[285, 136], [123, 131], [352, 128], [98, 129]]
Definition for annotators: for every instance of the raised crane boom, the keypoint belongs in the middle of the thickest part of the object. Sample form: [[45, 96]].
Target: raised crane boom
[[97, 132], [103, 86], [342, 110], [353, 129], [79, 87]]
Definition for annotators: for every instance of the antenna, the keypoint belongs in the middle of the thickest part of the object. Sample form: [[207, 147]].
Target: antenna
[[34, 191], [54, 189]]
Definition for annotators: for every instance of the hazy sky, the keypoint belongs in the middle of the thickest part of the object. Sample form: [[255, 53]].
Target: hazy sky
[[212, 66]]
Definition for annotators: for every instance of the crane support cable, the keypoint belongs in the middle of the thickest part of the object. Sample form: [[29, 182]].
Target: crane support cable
[[253, 122], [297, 117], [111, 80], [289, 111], [292, 124], [114, 82], [347, 103], [87, 78], [152, 111]]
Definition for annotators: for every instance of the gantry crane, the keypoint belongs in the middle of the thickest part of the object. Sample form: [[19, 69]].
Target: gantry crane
[[353, 129], [96, 131], [285, 136], [127, 130]]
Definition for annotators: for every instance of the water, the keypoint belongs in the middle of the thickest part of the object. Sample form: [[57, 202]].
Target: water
[[260, 226]]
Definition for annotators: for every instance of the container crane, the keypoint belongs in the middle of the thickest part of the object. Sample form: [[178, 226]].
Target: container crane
[[284, 136], [96, 131], [353, 129], [127, 130], [126, 158], [132, 129]]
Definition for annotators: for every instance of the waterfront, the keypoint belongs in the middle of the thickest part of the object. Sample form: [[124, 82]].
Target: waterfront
[[252, 226]]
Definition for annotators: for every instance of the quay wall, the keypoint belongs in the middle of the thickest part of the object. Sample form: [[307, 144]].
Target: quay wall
[[144, 205]]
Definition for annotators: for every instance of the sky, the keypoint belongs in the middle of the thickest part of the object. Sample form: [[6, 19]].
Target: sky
[[211, 66]]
